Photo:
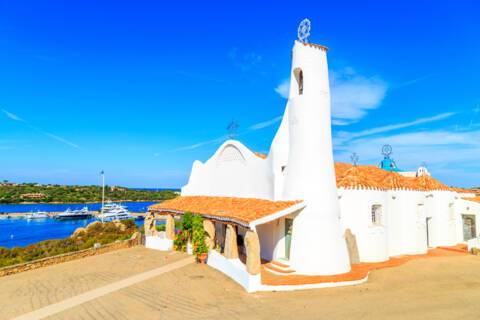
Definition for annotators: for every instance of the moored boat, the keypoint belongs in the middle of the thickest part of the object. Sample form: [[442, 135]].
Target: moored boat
[[74, 214], [36, 215], [114, 211]]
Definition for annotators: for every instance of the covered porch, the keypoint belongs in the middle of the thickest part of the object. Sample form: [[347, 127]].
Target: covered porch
[[245, 236]]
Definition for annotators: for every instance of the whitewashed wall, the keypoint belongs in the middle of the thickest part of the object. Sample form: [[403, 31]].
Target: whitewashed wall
[[272, 239], [465, 207], [440, 207], [278, 156], [407, 222], [233, 171], [267, 242], [356, 215]]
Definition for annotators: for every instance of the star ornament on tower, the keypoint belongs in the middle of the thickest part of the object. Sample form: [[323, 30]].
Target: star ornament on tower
[[304, 30], [387, 150]]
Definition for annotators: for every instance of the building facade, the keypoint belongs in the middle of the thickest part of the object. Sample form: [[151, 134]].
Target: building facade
[[294, 211]]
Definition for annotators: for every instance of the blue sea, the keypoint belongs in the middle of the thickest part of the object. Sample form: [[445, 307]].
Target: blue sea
[[10, 208], [19, 232]]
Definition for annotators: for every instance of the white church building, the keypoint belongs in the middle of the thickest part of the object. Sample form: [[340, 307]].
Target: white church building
[[294, 212]]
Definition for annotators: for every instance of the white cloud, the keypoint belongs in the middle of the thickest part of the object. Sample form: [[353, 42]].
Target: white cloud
[[265, 124], [391, 127], [14, 117], [447, 153], [475, 112], [352, 95], [337, 122], [413, 81], [283, 89], [451, 155], [439, 147], [201, 144], [60, 139]]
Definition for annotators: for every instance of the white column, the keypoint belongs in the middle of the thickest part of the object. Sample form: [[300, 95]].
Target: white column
[[252, 245], [231, 248], [318, 247], [170, 227], [209, 228]]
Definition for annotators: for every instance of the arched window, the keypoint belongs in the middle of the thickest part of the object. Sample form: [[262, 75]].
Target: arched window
[[299, 77], [376, 214], [230, 154]]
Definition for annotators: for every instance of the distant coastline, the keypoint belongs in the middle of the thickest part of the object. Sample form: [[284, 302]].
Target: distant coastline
[[158, 189], [68, 202], [34, 193]]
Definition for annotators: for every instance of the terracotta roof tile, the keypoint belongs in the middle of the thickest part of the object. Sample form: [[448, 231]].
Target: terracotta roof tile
[[357, 178], [372, 176], [241, 210], [340, 169], [261, 155], [394, 181], [474, 199], [313, 45], [427, 183], [463, 190]]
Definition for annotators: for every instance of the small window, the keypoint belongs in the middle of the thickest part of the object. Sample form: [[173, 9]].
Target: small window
[[299, 77], [376, 214], [283, 168]]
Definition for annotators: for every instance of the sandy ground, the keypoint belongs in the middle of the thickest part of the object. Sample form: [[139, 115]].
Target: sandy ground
[[434, 288]]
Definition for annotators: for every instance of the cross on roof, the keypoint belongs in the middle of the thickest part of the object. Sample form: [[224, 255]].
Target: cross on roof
[[232, 129], [354, 157]]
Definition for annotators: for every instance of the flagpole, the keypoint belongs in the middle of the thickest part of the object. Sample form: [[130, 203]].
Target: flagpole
[[103, 192]]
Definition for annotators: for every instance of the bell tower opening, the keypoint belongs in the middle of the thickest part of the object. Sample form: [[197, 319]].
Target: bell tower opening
[[299, 77]]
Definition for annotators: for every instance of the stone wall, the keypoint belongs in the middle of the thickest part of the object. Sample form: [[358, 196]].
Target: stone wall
[[135, 240]]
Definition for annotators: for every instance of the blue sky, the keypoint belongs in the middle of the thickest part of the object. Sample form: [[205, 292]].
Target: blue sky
[[142, 89]]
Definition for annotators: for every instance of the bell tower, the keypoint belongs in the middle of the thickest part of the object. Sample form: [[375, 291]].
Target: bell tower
[[318, 246]]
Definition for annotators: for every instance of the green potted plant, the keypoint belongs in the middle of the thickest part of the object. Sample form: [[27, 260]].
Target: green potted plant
[[202, 252], [200, 248], [184, 232]]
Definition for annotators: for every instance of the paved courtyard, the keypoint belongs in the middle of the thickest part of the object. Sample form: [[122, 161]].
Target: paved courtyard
[[433, 288]]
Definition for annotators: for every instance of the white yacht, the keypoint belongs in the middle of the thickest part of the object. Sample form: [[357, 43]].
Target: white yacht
[[74, 214], [113, 211], [36, 215], [109, 205]]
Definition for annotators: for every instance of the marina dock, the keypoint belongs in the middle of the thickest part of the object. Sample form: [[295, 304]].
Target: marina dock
[[21, 215]]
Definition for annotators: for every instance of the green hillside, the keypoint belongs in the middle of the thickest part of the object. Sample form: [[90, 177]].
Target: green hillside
[[31, 192]]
